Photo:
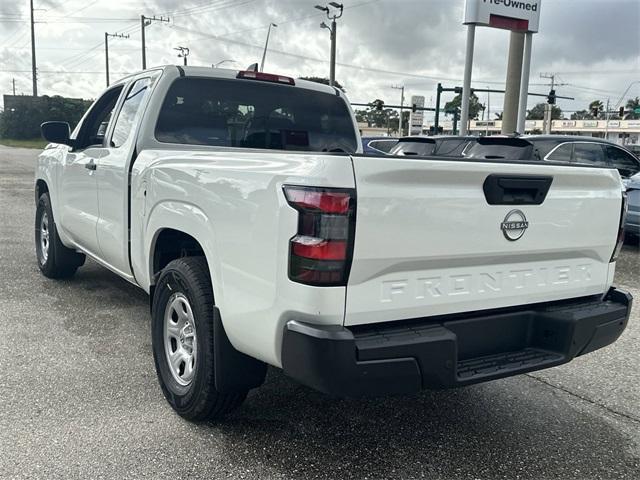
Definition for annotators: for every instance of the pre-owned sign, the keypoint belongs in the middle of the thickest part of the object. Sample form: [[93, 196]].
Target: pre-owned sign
[[517, 15]]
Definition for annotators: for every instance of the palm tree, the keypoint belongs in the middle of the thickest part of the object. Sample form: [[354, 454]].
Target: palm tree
[[598, 107], [632, 105]]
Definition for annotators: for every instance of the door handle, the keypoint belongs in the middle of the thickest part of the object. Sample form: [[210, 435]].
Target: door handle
[[90, 166]]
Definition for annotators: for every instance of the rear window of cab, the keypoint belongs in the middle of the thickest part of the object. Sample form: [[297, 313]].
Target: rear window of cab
[[254, 114]]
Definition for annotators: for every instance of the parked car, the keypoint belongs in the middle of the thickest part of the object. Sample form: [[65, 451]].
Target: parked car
[[378, 145], [557, 148], [633, 215], [635, 149], [442, 145], [241, 203]]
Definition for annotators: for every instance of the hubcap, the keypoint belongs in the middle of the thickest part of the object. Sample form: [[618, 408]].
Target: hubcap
[[44, 237], [180, 342]]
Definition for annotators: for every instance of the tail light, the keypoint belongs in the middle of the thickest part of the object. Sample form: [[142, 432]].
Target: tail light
[[623, 219], [320, 253]]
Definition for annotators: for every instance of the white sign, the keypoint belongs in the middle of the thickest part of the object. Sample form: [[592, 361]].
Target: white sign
[[590, 123], [568, 123], [416, 119], [516, 15], [614, 123]]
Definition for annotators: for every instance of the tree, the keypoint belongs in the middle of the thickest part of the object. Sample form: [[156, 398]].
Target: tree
[[22, 118], [324, 81], [581, 115], [632, 104], [598, 107], [537, 112], [475, 107]]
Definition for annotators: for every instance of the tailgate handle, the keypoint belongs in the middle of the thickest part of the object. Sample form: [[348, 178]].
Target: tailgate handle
[[516, 189]]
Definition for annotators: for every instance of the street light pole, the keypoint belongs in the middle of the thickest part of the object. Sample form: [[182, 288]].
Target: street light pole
[[266, 44], [333, 30]]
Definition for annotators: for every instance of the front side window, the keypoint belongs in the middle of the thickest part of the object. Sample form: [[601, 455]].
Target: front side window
[[94, 126], [254, 114], [129, 111]]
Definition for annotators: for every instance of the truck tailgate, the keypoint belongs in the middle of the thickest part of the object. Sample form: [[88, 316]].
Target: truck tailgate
[[429, 243]]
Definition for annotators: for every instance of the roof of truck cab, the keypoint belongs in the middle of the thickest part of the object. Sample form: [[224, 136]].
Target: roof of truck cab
[[225, 73]]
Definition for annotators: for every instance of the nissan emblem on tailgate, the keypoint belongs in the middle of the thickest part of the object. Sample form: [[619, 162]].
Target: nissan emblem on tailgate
[[514, 225]]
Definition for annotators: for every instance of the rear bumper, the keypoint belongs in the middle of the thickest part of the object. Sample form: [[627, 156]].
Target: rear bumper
[[407, 356]]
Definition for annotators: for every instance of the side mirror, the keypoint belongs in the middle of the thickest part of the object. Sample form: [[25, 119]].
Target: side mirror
[[56, 132]]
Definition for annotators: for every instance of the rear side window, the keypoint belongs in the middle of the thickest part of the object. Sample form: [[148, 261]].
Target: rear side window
[[589, 154], [621, 160], [562, 153], [253, 114], [451, 147], [413, 148], [383, 145], [498, 152]]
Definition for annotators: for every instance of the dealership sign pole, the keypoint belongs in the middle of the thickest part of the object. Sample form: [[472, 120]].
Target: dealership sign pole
[[520, 17]]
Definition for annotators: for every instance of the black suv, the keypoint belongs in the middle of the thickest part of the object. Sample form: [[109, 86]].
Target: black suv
[[556, 148]]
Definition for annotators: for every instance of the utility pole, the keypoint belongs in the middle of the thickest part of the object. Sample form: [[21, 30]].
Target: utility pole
[[547, 107], [33, 53], [13, 82], [486, 130], [145, 22], [266, 44], [184, 53], [333, 30], [436, 120], [106, 49], [401, 88]]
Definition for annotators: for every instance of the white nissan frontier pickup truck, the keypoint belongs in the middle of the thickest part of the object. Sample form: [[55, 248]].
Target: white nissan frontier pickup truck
[[241, 202]]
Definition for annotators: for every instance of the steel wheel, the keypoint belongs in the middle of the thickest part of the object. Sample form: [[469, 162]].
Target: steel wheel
[[44, 238], [180, 342]]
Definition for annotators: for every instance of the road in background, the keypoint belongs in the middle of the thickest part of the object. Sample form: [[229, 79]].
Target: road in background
[[79, 396]]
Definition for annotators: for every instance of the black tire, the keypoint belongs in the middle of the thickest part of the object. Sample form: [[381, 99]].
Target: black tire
[[198, 400], [54, 259]]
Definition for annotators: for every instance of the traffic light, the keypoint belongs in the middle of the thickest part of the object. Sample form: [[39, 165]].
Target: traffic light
[[551, 98], [595, 111], [621, 112], [457, 90], [414, 108]]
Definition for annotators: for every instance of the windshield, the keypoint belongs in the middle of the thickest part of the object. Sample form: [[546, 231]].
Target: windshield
[[252, 114]]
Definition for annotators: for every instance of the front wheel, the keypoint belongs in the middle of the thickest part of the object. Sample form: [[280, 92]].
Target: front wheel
[[182, 336], [54, 259]]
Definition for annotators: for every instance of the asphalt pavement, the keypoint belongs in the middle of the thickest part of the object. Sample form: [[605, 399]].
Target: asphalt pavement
[[79, 396]]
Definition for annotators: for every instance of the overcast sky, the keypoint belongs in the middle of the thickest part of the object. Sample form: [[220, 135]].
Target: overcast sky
[[593, 45]]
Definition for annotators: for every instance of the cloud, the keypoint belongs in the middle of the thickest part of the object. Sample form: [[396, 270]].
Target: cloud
[[593, 45]]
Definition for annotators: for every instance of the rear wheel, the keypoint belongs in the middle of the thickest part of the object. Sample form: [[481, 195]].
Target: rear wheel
[[54, 259], [182, 331]]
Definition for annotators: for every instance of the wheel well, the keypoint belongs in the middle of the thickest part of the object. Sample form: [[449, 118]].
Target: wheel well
[[41, 187], [172, 244]]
